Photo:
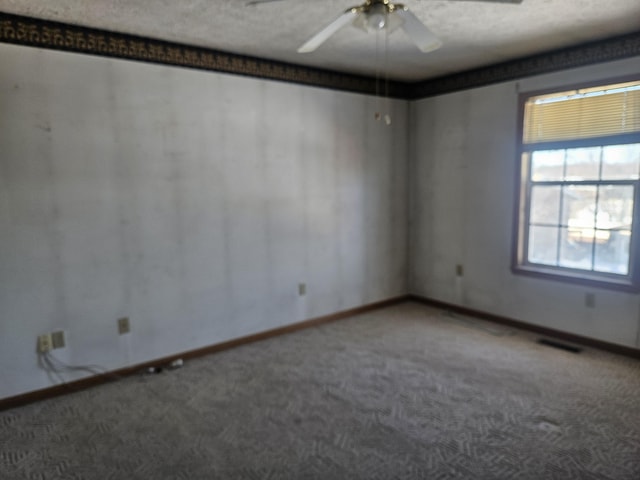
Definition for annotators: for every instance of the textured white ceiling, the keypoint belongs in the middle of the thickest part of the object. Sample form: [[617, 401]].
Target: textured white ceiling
[[474, 33]]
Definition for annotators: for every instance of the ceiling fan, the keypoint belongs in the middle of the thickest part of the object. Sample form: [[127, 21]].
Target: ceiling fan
[[376, 15]]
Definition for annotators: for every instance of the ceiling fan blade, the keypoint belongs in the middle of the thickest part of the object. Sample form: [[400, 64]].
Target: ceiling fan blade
[[417, 31], [324, 34]]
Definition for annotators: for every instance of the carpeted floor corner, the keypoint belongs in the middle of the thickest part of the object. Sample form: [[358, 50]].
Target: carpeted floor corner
[[404, 392]]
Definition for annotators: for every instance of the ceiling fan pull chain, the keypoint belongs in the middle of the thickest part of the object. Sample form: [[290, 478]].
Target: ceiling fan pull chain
[[387, 116], [378, 115]]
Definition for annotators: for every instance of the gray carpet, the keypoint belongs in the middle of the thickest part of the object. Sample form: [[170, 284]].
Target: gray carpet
[[403, 392]]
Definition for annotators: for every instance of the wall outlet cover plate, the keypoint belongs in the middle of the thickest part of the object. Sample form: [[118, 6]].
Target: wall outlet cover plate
[[44, 343], [57, 339], [123, 325]]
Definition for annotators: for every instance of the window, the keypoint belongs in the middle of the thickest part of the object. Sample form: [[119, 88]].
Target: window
[[578, 213]]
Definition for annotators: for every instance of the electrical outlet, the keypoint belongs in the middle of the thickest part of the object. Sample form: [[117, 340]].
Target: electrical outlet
[[44, 343], [57, 339], [123, 325], [302, 289]]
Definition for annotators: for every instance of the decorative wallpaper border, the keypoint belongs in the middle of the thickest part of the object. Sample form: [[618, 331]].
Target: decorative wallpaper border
[[616, 48], [71, 38]]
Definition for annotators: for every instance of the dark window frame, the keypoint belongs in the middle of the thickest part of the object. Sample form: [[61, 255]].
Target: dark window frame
[[521, 218]]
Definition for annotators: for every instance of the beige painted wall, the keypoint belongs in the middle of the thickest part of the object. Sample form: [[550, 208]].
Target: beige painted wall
[[195, 203], [463, 179], [192, 202]]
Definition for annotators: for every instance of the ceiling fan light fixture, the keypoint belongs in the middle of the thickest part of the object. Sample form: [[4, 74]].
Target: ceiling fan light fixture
[[373, 22], [376, 16], [376, 21]]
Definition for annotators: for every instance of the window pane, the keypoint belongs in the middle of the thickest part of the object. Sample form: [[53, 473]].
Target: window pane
[[545, 204], [576, 248], [579, 206], [579, 184], [613, 255], [621, 162], [615, 206], [547, 165], [583, 163], [543, 245]]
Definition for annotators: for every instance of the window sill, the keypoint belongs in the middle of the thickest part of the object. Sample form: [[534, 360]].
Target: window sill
[[578, 277]]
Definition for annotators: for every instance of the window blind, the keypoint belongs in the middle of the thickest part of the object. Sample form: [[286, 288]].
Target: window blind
[[585, 113]]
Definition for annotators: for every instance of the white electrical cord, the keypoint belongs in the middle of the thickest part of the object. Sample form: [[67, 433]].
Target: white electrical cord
[[52, 373], [59, 364], [55, 369]]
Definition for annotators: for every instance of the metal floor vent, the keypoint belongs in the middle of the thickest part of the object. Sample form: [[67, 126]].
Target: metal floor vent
[[561, 346]]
